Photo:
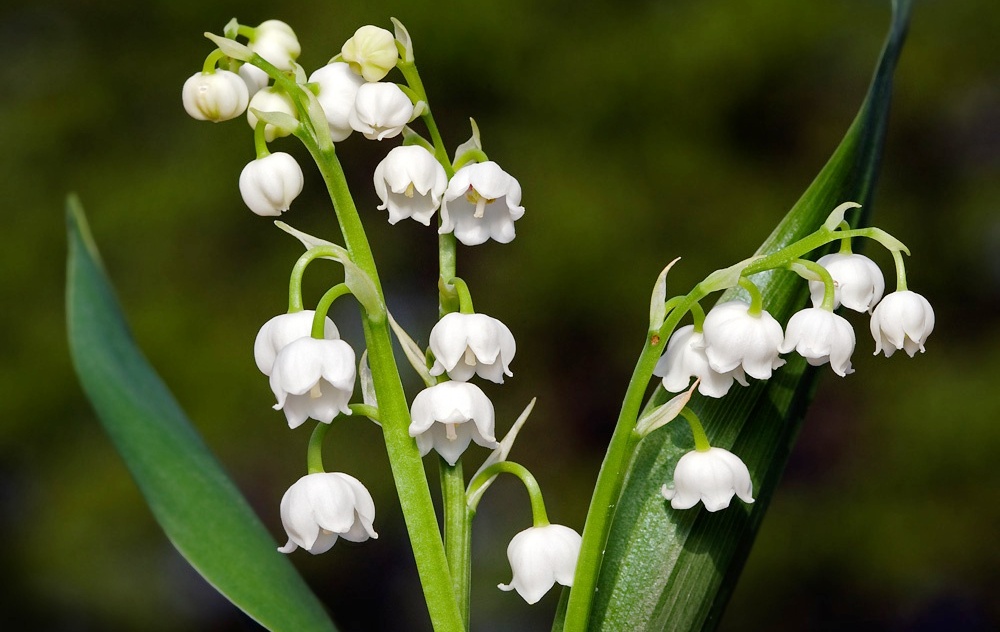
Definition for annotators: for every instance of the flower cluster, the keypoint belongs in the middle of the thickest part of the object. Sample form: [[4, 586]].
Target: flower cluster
[[737, 339]]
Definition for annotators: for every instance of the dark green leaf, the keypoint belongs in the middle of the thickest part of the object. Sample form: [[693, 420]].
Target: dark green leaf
[[199, 508], [667, 569]]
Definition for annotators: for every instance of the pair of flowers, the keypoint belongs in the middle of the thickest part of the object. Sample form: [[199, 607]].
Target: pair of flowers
[[481, 202], [733, 343]]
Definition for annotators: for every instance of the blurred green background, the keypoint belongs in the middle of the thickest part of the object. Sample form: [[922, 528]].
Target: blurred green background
[[639, 131]]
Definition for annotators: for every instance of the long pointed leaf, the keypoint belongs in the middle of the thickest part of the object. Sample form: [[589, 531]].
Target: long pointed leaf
[[667, 569], [198, 506]]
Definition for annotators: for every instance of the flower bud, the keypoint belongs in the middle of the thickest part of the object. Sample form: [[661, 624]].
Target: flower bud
[[255, 78], [380, 111], [858, 282], [275, 41], [269, 184], [338, 87], [270, 100], [371, 52], [215, 96]]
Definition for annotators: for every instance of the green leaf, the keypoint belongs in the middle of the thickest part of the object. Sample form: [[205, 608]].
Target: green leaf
[[667, 569], [198, 506]]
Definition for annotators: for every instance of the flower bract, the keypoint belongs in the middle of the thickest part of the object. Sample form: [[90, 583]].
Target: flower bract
[[468, 344], [902, 320], [482, 202], [713, 477], [338, 87], [319, 508], [858, 282], [685, 358], [540, 557], [313, 378], [270, 184], [275, 334], [820, 336], [410, 182], [381, 110], [441, 415], [215, 96], [371, 52], [734, 337]]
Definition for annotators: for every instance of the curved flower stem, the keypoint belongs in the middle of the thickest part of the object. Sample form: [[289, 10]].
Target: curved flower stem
[[457, 533], [464, 296], [701, 443], [538, 515], [829, 288], [897, 258], [319, 319], [698, 315], [260, 140], [404, 458], [212, 60], [756, 300], [314, 453]]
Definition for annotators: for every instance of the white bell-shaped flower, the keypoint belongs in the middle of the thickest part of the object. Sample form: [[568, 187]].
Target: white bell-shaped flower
[[381, 110], [270, 184], [410, 182], [858, 282], [371, 52], [735, 338], [270, 100], [338, 87], [276, 42], [902, 320], [712, 476], [255, 78], [540, 557], [685, 358], [319, 508], [313, 378], [482, 202], [215, 96], [468, 344], [275, 334], [820, 336], [441, 415]]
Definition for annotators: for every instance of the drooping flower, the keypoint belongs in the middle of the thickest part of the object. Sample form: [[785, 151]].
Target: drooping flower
[[902, 320], [338, 87], [482, 202], [410, 182], [734, 337], [270, 184], [381, 110], [313, 378], [371, 52], [440, 417], [255, 78], [318, 508], [270, 100], [540, 557], [712, 476], [468, 344], [275, 334], [685, 358], [858, 282], [820, 336], [276, 42], [215, 96]]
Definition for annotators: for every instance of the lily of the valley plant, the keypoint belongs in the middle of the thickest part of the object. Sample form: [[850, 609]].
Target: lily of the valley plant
[[697, 347]]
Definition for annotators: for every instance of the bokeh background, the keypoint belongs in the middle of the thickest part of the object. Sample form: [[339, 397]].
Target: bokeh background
[[639, 131]]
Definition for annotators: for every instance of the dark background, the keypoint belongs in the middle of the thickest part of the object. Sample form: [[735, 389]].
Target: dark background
[[639, 131]]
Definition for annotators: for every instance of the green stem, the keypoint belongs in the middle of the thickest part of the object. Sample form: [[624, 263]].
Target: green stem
[[464, 296], [538, 515], [829, 290], [756, 300], [404, 458], [613, 469], [364, 410], [260, 140], [314, 453], [457, 533], [701, 443], [298, 271], [897, 258], [698, 315], [211, 61], [319, 319]]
